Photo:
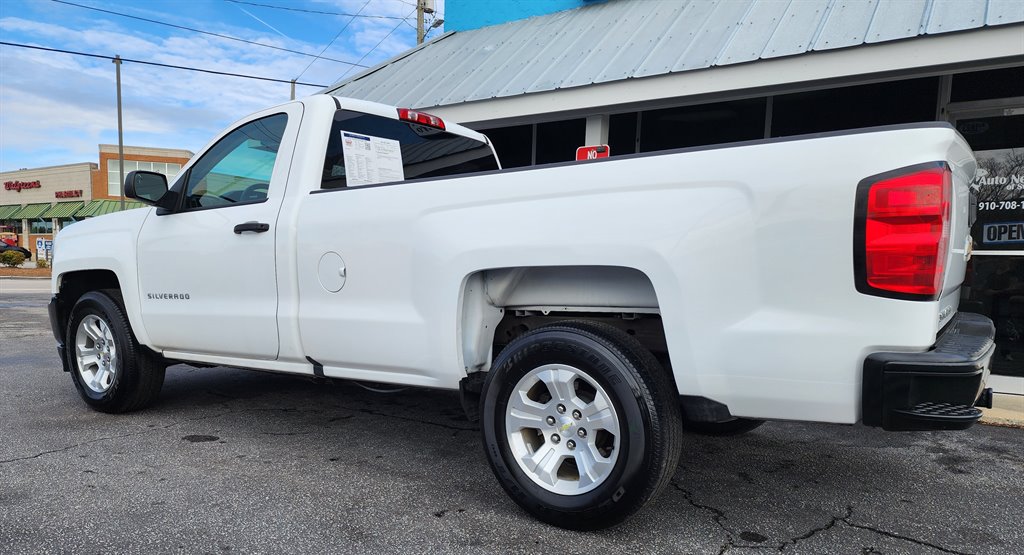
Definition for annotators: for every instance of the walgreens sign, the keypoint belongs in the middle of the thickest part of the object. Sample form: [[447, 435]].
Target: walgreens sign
[[19, 185]]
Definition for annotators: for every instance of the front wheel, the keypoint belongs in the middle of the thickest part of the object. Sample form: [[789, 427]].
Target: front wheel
[[111, 371], [581, 424]]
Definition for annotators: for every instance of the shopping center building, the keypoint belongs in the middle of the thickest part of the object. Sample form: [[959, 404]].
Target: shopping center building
[[644, 76], [36, 203]]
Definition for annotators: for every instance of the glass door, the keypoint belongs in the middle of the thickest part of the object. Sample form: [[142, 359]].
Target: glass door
[[996, 272]]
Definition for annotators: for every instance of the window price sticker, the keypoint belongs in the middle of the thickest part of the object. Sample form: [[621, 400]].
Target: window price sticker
[[370, 160]]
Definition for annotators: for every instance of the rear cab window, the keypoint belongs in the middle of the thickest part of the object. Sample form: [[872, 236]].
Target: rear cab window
[[366, 149]]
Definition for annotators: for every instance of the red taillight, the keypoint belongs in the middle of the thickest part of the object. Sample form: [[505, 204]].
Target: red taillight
[[906, 233], [421, 118]]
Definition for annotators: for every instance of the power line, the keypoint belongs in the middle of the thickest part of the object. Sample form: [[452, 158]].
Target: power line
[[204, 32], [291, 9], [144, 62], [353, 18], [374, 48]]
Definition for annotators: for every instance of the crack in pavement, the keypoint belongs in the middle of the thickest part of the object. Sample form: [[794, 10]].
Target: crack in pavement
[[718, 517], [831, 524], [99, 439], [730, 542], [901, 537]]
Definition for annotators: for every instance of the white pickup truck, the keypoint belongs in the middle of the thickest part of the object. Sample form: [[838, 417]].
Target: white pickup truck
[[588, 312]]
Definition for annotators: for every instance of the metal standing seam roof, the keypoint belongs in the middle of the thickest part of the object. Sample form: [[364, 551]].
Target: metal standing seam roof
[[63, 209], [101, 207], [6, 211], [624, 39], [30, 211]]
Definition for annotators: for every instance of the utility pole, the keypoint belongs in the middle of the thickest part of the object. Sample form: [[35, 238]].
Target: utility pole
[[420, 8], [120, 131], [293, 89], [424, 7]]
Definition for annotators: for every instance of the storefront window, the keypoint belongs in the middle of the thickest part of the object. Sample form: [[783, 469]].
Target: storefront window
[[622, 133], [998, 144], [997, 290], [557, 141], [114, 172], [514, 145], [996, 279], [907, 101], [990, 84], [41, 226], [10, 226], [703, 124]]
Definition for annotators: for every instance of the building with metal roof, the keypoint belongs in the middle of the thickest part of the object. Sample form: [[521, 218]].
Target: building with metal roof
[[640, 76], [639, 45]]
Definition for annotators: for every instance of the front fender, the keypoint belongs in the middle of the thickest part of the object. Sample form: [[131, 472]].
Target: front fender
[[108, 242]]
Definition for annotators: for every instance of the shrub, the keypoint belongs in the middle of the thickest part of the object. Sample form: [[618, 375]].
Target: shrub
[[42, 263], [11, 258]]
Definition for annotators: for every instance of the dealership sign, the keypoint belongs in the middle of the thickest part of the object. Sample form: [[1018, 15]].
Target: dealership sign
[[68, 194], [19, 185]]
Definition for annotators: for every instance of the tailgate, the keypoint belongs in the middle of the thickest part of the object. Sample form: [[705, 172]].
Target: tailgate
[[962, 163]]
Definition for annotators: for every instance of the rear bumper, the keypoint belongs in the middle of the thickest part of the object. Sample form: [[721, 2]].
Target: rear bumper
[[934, 390]]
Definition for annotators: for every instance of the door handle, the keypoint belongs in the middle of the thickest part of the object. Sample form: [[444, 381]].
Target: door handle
[[255, 227]]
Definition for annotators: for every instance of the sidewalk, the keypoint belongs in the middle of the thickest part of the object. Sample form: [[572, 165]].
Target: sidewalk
[[1007, 402]]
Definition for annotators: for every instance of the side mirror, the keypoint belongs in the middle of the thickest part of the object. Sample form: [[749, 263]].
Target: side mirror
[[148, 187]]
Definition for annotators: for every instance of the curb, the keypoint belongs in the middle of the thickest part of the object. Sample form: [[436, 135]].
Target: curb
[[1007, 410]]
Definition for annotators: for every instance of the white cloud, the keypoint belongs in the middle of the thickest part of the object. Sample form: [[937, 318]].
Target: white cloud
[[55, 108]]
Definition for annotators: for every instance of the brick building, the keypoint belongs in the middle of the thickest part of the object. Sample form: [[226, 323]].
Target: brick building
[[35, 203]]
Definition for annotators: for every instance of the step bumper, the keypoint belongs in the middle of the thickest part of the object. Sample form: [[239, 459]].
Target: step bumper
[[933, 390]]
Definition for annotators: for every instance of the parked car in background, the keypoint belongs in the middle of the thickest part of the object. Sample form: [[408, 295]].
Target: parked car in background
[[4, 247]]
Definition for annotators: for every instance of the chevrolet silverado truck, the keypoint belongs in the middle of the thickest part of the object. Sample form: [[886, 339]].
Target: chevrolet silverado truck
[[588, 312]]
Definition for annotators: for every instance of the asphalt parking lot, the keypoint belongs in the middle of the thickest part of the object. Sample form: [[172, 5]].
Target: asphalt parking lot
[[236, 461]]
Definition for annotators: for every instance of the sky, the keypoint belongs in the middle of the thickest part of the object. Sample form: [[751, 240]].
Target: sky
[[56, 108]]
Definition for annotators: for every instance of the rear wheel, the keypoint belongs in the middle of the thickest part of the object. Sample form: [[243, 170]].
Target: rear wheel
[[581, 424], [110, 370]]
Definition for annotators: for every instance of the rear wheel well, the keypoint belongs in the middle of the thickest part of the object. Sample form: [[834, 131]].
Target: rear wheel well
[[500, 304], [644, 327]]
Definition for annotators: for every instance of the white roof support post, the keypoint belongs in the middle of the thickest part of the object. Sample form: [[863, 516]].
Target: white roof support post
[[597, 130]]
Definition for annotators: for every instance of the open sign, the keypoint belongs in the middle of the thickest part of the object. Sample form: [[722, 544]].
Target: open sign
[[1011, 232]]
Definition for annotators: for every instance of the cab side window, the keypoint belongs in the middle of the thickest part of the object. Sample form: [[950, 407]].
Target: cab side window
[[237, 169]]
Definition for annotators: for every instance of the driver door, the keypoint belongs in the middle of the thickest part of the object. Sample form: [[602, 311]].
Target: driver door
[[207, 271]]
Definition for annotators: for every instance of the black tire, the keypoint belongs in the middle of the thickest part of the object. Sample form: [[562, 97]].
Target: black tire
[[641, 392], [138, 372], [733, 427]]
